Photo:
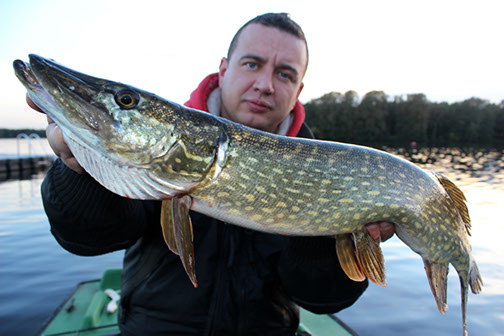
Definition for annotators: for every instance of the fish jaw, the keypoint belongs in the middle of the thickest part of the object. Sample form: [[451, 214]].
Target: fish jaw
[[47, 82]]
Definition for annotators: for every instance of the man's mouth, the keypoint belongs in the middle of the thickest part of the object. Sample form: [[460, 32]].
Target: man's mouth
[[257, 105]]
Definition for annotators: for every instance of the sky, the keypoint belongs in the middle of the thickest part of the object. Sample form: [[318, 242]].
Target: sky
[[448, 50]]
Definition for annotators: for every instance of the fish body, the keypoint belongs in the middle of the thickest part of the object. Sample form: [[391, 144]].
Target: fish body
[[142, 146]]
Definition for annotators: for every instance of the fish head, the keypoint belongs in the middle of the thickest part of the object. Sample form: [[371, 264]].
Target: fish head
[[133, 142], [109, 118]]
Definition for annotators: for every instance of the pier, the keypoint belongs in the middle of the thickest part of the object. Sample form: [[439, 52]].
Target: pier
[[20, 166]]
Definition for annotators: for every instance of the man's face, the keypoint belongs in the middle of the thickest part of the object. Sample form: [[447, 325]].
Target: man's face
[[262, 80]]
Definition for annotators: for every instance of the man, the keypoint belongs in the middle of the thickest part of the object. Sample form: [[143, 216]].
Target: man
[[249, 282]]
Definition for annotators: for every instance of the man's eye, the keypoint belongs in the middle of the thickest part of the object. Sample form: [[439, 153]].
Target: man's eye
[[251, 65], [284, 75]]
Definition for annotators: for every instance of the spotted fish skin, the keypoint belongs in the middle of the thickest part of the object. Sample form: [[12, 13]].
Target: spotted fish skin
[[306, 187], [312, 187], [142, 146]]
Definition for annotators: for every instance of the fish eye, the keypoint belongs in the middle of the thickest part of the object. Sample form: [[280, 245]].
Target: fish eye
[[127, 99]]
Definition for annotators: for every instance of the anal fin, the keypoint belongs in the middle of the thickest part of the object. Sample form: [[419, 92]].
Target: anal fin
[[438, 277]]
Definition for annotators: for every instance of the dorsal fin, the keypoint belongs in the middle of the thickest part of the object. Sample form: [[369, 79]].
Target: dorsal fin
[[458, 198]]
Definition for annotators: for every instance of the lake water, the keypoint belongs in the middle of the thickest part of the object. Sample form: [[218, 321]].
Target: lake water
[[36, 273]]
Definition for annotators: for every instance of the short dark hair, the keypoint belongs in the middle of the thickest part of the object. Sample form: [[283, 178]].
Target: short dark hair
[[281, 21]]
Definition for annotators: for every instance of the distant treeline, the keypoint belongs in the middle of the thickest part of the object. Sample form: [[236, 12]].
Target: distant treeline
[[12, 133], [379, 120]]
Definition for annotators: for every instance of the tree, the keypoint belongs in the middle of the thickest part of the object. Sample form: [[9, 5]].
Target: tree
[[376, 120], [371, 118]]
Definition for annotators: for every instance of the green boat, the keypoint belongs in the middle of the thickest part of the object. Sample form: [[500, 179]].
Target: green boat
[[91, 310]]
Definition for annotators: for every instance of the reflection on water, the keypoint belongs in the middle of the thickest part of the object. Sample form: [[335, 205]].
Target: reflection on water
[[36, 273], [469, 165]]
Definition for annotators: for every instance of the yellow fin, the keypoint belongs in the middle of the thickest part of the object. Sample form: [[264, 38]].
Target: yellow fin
[[345, 249], [182, 228], [464, 291], [370, 257], [438, 277], [167, 225], [458, 198], [475, 280], [472, 278]]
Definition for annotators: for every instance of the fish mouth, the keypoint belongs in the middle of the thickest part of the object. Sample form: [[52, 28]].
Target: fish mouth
[[25, 74], [66, 95], [34, 88]]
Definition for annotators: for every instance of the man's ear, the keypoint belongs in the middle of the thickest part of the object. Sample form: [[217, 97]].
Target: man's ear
[[300, 89], [222, 69]]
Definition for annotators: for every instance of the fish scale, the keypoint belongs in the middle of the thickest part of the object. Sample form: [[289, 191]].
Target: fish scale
[[142, 146]]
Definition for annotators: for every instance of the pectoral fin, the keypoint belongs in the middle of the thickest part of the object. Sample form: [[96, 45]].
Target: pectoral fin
[[177, 231], [370, 257], [182, 227], [438, 277], [345, 249], [167, 225]]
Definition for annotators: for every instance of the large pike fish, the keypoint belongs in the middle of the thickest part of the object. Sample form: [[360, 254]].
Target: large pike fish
[[142, 146]]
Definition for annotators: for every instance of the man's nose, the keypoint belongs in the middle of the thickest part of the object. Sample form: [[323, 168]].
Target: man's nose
[[264, 82]]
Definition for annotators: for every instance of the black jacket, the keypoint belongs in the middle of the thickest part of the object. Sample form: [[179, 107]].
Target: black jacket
[[250, 283]]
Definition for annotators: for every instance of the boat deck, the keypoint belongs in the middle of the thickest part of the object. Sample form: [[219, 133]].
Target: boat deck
[[84, 313]]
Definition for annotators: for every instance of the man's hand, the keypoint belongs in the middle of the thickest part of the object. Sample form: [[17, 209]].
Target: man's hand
[[57, 142], [381, 231]]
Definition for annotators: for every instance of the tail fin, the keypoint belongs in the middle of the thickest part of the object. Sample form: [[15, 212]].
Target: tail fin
[[473, 279]]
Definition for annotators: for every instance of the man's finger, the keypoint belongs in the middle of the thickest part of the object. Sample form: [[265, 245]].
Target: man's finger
[[60, 148], [374, 231], [55, 138], [387, 230], [32, 104], [381, 231]]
